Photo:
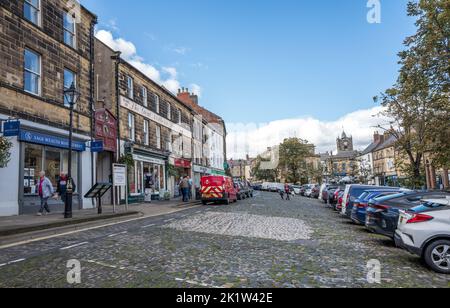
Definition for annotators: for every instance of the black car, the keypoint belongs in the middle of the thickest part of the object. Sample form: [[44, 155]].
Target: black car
[[382, 214]]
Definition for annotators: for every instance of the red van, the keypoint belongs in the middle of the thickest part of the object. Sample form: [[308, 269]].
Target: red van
[[218, 189]]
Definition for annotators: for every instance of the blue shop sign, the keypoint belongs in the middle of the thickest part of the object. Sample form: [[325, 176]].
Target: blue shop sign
[[11, 128], [97, 146], [57, 142]]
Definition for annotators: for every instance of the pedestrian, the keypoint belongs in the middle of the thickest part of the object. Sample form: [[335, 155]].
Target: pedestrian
[[45, 191], [190, 187], [61, 187], [282, 194], [287, 189], [184, 185]]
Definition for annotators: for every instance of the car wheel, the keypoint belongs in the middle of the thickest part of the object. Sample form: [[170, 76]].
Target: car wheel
[[204, 202], [437, 256]]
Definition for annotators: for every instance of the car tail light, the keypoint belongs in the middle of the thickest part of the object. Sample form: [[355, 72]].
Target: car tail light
[[380, 207], [416, 218], [361, 205]]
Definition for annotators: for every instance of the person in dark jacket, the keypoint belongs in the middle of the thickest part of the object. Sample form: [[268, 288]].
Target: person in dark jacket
[[287, 190], [61, 188]]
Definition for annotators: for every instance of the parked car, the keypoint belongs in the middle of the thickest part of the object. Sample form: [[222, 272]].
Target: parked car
[[351, 193], [308, 190], [265, 186], [425, 231], [338, 205], [360, 205], [257, 186], [296, 189], [315, 192], [322, 188], [333, 191], [383, 213], [245, 190], [328, 192], [218, 189]]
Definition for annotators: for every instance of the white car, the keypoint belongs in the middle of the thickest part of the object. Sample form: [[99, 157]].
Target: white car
[[425, 231], [296, 189]]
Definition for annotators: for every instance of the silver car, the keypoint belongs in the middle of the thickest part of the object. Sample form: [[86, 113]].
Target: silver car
[[425, 231]]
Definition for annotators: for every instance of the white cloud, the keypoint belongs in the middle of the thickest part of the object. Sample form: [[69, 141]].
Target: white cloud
[[129, 53], [181, 50], [254, 139]]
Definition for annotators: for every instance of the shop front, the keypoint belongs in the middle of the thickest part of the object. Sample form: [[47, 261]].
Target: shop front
[[182, 168], [42, 151], [199, 172], [146, 179], [106, 131]]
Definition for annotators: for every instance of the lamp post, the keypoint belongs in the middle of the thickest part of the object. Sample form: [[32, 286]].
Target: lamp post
[[71, 95]]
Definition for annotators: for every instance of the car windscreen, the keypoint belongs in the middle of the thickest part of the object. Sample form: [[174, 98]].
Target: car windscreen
[[430, 206], [390, 197]]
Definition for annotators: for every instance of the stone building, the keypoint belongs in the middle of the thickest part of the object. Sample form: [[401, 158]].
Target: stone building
[[344, 162], [209, 140], [154, 127], [46, 46]]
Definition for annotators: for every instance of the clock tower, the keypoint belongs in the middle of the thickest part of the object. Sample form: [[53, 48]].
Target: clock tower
[[344, 143]]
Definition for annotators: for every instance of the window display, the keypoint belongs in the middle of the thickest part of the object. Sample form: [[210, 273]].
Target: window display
[[52, 160]]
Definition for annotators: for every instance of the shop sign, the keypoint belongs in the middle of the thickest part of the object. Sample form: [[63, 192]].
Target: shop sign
[[182, 163], [141, 110], [57, 142], [106, 129], [11, 128], [148, 159], [201, 169], [119, 175], [97, 146], [218, 172]]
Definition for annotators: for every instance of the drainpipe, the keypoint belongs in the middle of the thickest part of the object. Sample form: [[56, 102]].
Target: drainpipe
[[91, 95], [117, 61]]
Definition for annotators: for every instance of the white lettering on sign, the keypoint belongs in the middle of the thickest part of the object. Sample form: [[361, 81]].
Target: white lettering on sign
[[120, 175], [136, 108]]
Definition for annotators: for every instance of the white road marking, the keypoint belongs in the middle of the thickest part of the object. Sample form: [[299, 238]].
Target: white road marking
[[12, 262], [148, 226], [117, 234], [169, 220], [195, 283], [73, 246], [105, 265], [79, 231]]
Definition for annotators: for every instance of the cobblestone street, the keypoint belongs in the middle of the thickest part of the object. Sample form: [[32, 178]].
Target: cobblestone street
[[261, 242]]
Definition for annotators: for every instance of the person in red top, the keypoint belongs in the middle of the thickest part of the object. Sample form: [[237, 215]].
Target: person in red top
[[287, 190]]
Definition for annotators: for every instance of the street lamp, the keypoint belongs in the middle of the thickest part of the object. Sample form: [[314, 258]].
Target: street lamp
[[71, 95]]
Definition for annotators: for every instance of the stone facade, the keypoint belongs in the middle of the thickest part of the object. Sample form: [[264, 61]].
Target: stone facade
[[33, 93], [46, 39]]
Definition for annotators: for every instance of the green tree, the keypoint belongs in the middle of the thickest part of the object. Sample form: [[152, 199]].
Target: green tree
[[264, 174], [5, 152], [418, 103], [293, 154]]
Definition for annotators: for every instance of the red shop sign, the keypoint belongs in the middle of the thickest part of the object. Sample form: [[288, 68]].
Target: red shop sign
[[182, 163]]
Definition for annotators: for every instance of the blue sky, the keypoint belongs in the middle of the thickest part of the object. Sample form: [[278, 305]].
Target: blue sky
[[265, 60]]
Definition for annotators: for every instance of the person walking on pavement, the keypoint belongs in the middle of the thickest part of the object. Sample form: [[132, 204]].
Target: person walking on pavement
[[61, 188], [288, 192], [45, 191], [185, 188], [190, 187]]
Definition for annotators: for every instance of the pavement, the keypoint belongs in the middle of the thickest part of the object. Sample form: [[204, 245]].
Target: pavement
[[259, 242], [11, 227]]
